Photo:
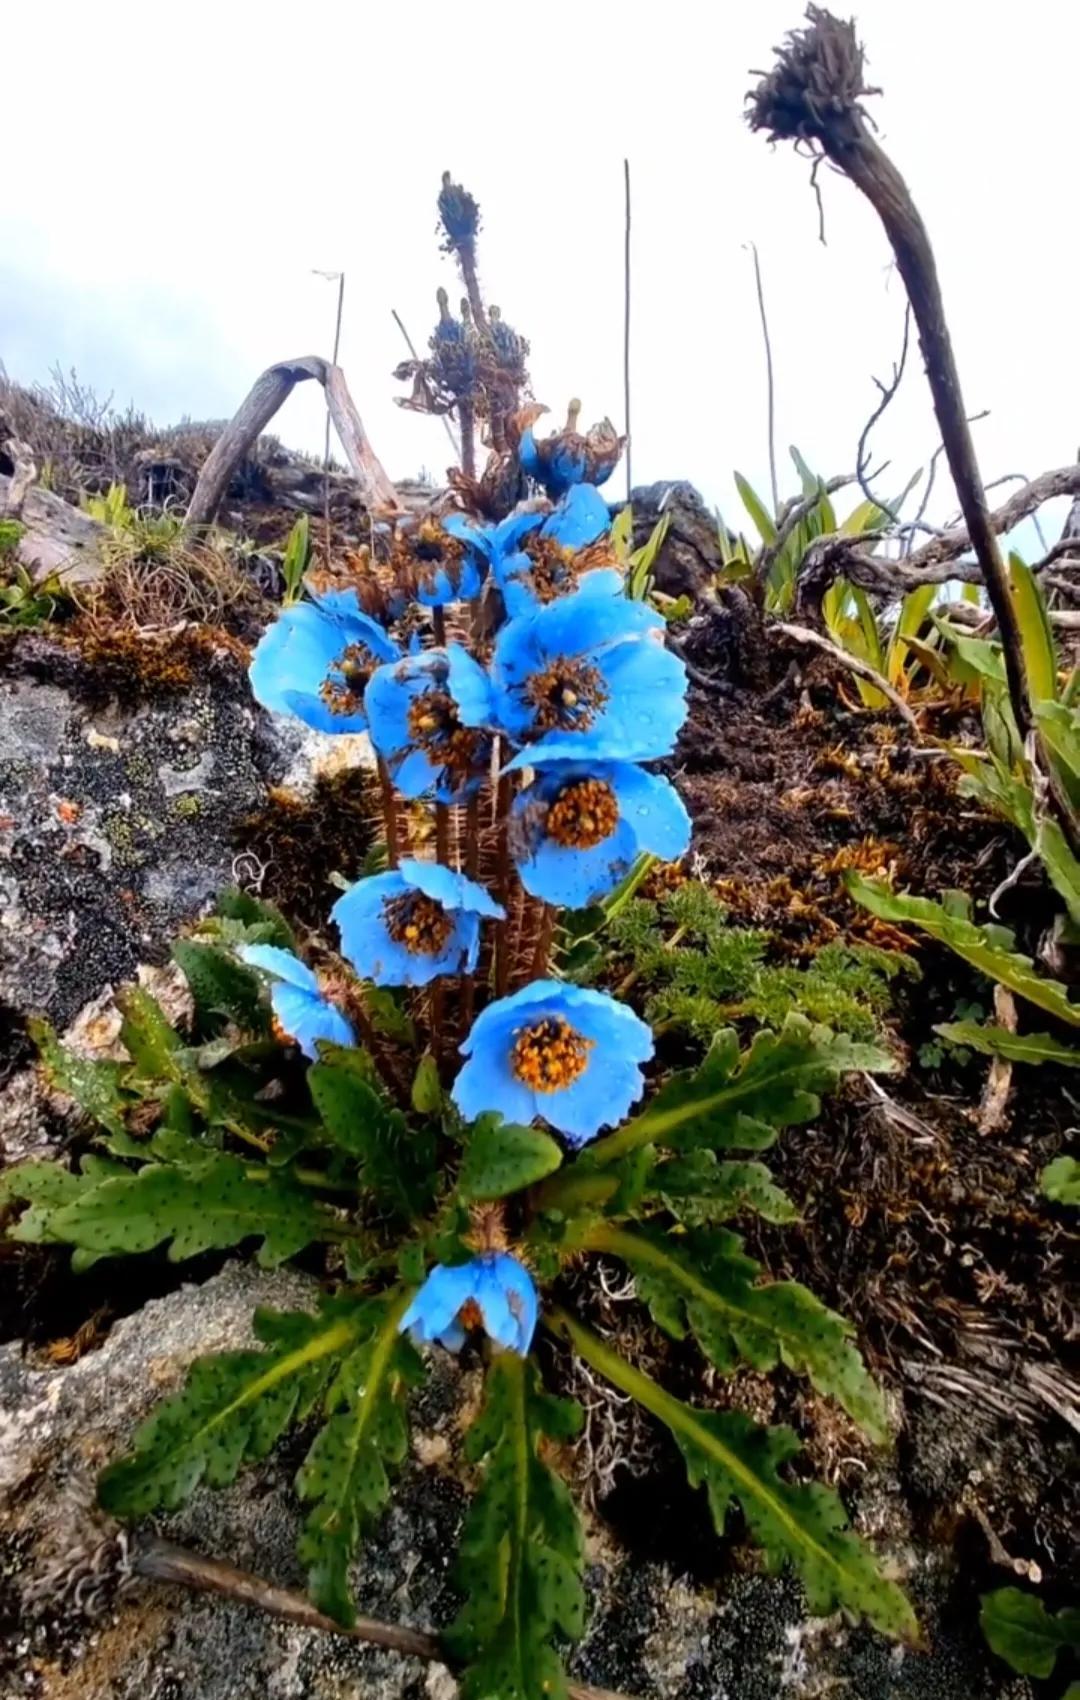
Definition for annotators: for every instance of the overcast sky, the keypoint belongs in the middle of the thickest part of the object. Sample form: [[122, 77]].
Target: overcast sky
[[173, 176]]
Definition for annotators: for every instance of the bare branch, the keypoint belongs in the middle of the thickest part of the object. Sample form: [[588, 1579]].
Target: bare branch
[[888, 392], [853, 663], [1062, 481], [769, 377], [257, 409], [160, 1561]]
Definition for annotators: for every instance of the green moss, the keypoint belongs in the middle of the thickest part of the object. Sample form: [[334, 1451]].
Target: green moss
[[188, 806]]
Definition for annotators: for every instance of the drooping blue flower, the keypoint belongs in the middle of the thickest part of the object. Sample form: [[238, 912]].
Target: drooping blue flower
[[303, 1012], [536, 557], [587, 676], [407, 927], [441, 564], [557, 1051], [495, 1285], [579, 826], [415, 711], [315, 661], [567, 458]]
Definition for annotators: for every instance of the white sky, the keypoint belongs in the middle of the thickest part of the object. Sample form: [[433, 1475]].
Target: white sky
[[172, 177]]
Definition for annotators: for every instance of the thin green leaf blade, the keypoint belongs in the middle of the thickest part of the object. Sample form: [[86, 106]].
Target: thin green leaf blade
[[994, 1041]]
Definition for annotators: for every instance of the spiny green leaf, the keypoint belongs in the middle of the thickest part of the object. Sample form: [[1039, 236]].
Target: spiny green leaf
[[734, 1458], [221, 986], [741, 1099], [502, 1157], [705, 1282], [344, 1473], [427, 1094], [1052, 848], [233, 1408], [698, 1189], [1060, 1180], [95, 1086], [395, 1160], [147, 1035], [520, 1559], [1021, 1631], [1001, 1042], [978, 945], [215, 1200]]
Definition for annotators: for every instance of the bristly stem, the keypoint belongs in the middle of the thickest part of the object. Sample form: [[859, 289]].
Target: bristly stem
[[472, 868], [438, 627], [544, 938], [468, 441], [503, 949], [390, 814]]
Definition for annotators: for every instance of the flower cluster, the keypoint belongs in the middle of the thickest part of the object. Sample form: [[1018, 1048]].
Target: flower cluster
[[531, 690]]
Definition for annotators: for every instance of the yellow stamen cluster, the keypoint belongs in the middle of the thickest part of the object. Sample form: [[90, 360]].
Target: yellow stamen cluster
[[556, 570], [419, 555], [549, 1055], [566, 695], [345, 694], [435, 728], [418, 922], [583, 814]]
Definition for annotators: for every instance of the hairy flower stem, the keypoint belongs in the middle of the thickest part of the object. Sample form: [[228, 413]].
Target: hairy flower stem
[[438, 626], [544, 938], [472, 869], [503, 943], [390, 814], [466, 427]]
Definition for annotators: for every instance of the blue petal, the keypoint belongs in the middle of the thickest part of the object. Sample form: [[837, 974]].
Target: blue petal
[[581, 517], [652, 807], [387, 700], [434, 1309], [452, 890], [646, 705], [613, 1025], [478, 537], [520, 1289], [576, 878], [486, 1083], [280, 962], [470, 687], [306, 1019], [295, 655], [600, 1097], [528, 454]]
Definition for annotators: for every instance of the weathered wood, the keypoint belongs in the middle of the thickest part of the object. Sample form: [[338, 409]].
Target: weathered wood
[[259, 406], [23, 478]]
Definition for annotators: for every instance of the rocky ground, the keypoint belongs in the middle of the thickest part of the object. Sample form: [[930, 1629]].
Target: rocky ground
[[127, 798]]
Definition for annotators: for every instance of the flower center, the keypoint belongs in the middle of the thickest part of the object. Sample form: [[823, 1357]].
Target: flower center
[[566, 696], [345, 693], [555, 570], [549, 1055], [470, 1315], [417, 922], [434, 727], [583, 814]]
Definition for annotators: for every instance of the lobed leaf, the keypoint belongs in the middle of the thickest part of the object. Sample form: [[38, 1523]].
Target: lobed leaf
[[395, 1160], [1060, 1180], [1002, 1042], [521, 1556], [233, 1408], [95, 1086], [1020, 1630], [698, 1188], [221, 986], [345, 1472], [735, 1459], [978, 945], [709, 1286]]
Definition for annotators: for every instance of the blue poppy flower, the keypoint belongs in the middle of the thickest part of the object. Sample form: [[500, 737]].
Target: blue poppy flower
[[440, 565], [418, 725], [315, 661], [578, 828], [586, 676], [494, 1289], [303, 1012], [407, 927], [561, 1052], [567, 458]]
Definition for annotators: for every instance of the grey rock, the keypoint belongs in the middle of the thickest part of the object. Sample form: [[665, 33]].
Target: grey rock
[[58, 537], [652, 1632]]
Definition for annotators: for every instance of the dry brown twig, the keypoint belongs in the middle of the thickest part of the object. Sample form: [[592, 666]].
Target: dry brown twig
[[854, 664]]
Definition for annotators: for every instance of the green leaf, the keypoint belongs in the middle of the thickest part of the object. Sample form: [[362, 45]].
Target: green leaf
[[295, 560], [1040, 651], [1060, 1180], [344, 1473], [1059, 729], [622, 531], [704, 1282], [698, 1189], [502, 1157], [757, 510], [262, 921], [641, 561], [520, 1559], [734, 1458], [741, 1099], [95, 1086], [150, 1040], [427, 1094], [221, 986], [233, 1409], [1016, 1047], [388, 1015], [1052, 848], [206, 1201], [977, 945], [1020, 1630], [395, 1160]]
